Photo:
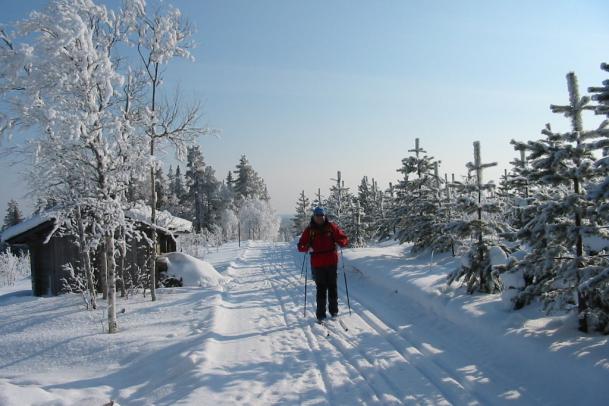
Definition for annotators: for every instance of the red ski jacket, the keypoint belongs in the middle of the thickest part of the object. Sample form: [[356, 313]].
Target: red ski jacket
[[322, 239]]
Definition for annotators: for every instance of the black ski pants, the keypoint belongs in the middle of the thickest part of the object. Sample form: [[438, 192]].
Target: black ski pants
[[326, 282]]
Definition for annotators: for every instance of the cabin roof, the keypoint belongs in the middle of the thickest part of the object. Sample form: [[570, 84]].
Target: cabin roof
[[42, 226], [164, 219]]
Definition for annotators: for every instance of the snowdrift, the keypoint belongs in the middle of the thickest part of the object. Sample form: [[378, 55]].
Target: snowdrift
[[192, 271]]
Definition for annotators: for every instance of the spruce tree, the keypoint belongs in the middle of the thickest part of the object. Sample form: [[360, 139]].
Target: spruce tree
[[416, 210], [13, 215], [558, 269], [477, 270], [248, 183], [338, 202], [195, 175], [302, 217]]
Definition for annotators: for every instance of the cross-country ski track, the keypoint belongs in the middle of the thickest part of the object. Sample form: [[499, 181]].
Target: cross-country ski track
[[263, 351], [247, 342]]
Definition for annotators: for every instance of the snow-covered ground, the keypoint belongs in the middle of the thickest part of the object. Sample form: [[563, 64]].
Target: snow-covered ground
[[411, 340]]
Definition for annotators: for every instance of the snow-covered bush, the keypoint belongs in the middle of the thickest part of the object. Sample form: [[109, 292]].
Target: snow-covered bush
[[76, 282], [13, 267]]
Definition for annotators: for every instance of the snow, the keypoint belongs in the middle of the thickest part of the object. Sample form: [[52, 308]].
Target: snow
[[497, 256], [512, 281], [411, 340], [28, 224], [164, 219], [596, 243], [192, 271]]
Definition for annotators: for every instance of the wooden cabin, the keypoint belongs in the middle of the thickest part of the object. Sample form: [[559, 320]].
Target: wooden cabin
[[51, 249]]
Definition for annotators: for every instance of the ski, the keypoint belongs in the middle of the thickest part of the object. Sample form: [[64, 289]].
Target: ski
[[324, 326], [341, 323]]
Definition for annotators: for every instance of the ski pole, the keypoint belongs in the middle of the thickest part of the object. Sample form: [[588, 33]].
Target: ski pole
[[306, 280], [304, 257], [342, 256]]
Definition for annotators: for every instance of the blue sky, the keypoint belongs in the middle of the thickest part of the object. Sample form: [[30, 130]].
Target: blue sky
[[308, 88]]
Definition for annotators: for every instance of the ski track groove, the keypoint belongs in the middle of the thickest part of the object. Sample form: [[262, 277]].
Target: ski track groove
[[358, 365], [325, 379], [385, 331], [374, 395], [407, 337], [338, 340], [451, 394]]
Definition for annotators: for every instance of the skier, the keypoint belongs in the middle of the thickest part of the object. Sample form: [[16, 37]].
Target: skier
[[320, 238]]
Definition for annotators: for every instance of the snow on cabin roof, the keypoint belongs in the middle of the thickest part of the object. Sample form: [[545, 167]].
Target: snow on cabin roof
[[596, 243], [166, 222], [30, 224], [164, 219]]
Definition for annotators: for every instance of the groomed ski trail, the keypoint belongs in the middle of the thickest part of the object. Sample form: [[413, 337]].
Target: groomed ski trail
[[261, 350]]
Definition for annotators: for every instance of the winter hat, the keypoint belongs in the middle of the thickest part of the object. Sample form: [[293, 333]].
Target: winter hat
[[319, 211]]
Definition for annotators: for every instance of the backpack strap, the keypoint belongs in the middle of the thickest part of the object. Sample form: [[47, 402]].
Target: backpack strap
[[313, 232]]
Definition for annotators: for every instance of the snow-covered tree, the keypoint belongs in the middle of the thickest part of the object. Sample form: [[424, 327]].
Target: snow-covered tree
[[258, 220], [162, 189], [477, 269], [247, 184], [303, 214], [68, 85], [367, 208], [557, 268], [387, 224], [337, 202], [161, 34], [417, 208], [319, 201], [203, 188], [13, 215], [229, 223]]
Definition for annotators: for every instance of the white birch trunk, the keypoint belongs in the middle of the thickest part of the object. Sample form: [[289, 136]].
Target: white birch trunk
[[112, 324]]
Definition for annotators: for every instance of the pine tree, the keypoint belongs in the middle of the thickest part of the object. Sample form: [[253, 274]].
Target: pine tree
[[366, 210], [210, 189], [13, 215], [229, 180], [178, 185], [203, 192], [477, 269], [558, 269], [601, 94], [387, 224], [247, 183], [301, 220], [337, 203], [318, 201], [417, 208]]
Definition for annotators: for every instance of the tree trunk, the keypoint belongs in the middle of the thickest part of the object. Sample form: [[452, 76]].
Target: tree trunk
[[86, 258], [103, 274], [112, 325], [123, 254], [582, 305], [153, 223]]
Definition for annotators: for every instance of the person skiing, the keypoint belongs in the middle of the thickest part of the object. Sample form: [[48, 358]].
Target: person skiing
[[320, 239]]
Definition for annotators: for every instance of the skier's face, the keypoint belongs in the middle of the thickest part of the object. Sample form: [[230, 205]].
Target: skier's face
[[319, 219]]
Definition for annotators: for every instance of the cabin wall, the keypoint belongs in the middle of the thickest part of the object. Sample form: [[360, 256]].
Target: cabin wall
[[39, 281], [48, 260]]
